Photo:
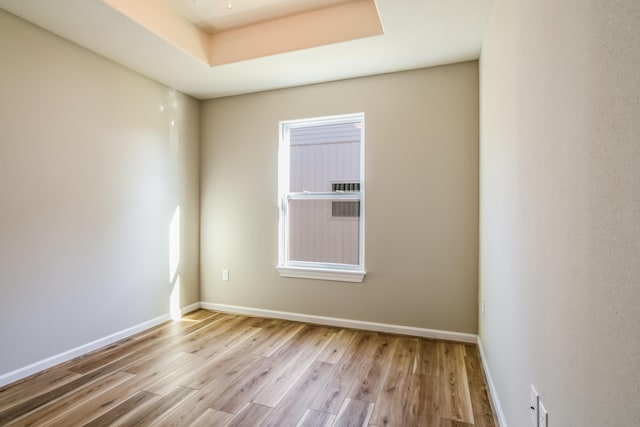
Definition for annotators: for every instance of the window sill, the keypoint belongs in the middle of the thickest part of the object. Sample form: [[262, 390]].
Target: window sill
[[322, 274]]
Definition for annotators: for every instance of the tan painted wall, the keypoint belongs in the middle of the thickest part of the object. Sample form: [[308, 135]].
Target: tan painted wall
[[560, 209], [421, 154], [91, 172]]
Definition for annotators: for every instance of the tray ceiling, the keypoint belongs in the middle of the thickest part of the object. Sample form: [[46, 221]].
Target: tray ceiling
[[259, 45]]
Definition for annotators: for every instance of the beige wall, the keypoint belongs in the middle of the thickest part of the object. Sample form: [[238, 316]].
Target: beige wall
[[421, 170], [560, 209], [91, 171]]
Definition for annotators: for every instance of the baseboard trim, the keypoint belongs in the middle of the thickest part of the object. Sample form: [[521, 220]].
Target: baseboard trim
[[190, 308], [49, 362], [497, 407], [344, 323]]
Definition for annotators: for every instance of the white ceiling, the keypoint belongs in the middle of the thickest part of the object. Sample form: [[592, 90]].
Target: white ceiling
[[417, 33]]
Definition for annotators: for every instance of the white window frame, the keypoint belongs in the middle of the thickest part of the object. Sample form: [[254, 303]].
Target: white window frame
[[316, 270]]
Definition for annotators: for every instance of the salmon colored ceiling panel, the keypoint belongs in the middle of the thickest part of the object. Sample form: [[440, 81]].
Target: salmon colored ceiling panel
[[336, 23], [320, 27], [221, 15]]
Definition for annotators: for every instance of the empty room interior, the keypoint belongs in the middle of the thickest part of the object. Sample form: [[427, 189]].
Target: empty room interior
[[320, 213]]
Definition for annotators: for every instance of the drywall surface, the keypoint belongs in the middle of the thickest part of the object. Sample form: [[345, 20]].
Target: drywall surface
[[94, 162], [421, 178], [560, 209]]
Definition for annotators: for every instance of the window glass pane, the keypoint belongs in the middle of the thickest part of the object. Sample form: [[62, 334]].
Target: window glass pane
[[316, 235], [324, 154]]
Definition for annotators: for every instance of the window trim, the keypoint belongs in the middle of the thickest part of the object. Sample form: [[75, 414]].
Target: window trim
[[316, 270]]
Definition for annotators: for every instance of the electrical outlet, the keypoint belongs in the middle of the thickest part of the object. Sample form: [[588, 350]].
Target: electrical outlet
[[543, 417], [225, 275], [533, 406]]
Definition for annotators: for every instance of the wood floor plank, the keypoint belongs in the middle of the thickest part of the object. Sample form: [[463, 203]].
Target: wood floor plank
[[333, 394], [221, 389], [372, 368], [171, 374], [290, 411], [392, 402], [427, 358], [58, 407], [445, 422], [40, 400], [156, 362], [210, 418], [174, 334], [280, 332], [238, 390], [145, 343], [187, 412], [424, 400], [211, 330], [289, 373], [97, 358], [250, 415], [102, 357], [219, 370], [100, 404], [175, 328], [123, 409], [219, 345], [480, 403], [214, 368], [39, 383], [354, 413], [148, 413], [224, 359], [337, 346], [230, 375], [313, 418], [310, 339], [200, 315], [455, 399]]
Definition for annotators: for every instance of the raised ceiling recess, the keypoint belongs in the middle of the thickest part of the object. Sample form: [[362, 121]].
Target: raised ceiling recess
[[204, 49], [221, 32], [218, 15]]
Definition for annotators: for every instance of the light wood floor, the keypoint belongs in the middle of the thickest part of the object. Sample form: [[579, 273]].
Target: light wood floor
[[217, 369]]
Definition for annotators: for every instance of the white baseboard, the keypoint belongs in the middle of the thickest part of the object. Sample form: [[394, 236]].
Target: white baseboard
[[492, 388], [41, 365], [190, 308], [344, 323]]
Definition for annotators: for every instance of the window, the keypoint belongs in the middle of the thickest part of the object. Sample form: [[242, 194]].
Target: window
[[321, 198]]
